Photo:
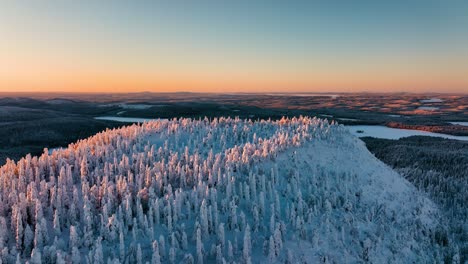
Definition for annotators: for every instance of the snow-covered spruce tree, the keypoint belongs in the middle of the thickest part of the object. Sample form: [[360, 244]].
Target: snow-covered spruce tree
[[155, 259], [199, 247], [247, 248], [98, 257], [271, 250], [201, 190]]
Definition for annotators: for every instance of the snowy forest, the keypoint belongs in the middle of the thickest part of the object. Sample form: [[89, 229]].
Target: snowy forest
[[221, 190], [438, 167]]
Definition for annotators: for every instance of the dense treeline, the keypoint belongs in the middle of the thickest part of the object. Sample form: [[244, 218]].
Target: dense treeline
[[28, 125], [456, 130], [31, 136]]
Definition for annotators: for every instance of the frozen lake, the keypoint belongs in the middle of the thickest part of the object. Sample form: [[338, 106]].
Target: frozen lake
[[432, 100], [346, 119], [459, 123], [127, 119], [428, 108], [368, 131], [395, 133]]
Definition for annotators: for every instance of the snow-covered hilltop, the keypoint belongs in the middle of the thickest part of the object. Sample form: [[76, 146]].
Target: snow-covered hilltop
[[221, 191]]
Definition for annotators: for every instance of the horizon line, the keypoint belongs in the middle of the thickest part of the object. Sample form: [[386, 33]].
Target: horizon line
[[233, 93]]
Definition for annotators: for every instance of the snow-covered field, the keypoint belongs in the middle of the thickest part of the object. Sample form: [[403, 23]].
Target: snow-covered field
[[395, 133], [223, 191]]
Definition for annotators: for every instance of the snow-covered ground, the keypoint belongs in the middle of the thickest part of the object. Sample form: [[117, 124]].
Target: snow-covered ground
[[395, 133], [370, 194], [296, 190]]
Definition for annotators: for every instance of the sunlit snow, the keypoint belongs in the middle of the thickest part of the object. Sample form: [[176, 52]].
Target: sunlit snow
[[299, 190]]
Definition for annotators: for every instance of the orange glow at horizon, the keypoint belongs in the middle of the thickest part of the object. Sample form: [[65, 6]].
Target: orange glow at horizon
[[75, 47], [122, 85], [69, 78]]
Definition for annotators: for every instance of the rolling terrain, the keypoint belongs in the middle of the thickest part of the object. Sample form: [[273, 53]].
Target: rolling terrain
[[32, 121]]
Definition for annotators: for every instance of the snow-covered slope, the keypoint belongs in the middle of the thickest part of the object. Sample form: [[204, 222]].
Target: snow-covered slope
[[228, 190], [362, 209]]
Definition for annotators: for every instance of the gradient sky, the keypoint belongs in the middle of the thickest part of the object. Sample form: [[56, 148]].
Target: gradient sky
[[234, 46]]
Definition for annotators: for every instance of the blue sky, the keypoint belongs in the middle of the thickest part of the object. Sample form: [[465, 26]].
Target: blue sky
[[234, 45]]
